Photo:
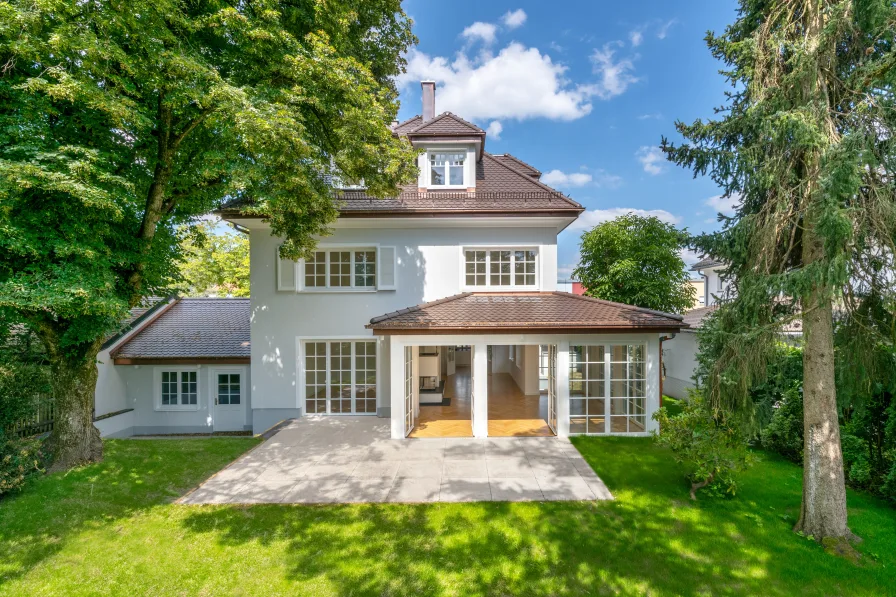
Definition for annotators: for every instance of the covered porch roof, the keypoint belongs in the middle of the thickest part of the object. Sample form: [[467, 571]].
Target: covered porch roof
[[523, 312]]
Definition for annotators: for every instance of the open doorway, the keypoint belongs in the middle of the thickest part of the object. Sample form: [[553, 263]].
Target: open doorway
[[517, 407], [444, 381]]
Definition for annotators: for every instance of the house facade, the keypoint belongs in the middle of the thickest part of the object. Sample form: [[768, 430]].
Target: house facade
[[437, 309]]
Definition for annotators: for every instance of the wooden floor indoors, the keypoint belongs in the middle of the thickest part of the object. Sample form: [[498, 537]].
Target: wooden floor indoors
[[510, 412]]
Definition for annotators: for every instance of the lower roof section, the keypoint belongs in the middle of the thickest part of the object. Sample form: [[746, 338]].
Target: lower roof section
[[523, 312]]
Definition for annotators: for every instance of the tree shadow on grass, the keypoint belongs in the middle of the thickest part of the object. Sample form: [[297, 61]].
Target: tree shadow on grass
[[651, 540], [134, 476]]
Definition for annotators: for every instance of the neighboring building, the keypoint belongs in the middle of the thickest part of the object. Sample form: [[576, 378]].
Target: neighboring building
[[715, 286], [680, 355], [700, 297], [571, 286], [461, 265]]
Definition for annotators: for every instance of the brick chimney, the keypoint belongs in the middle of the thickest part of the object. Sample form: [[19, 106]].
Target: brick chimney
[[429, 99]]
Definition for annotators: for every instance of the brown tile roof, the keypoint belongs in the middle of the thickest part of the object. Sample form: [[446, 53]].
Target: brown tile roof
[[445, 123], [523, 311], [694, 317], [501, 189], [193, 328], [408, 125], [517, 163]]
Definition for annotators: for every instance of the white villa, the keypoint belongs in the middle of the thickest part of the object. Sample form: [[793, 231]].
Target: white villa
[[437, 309]]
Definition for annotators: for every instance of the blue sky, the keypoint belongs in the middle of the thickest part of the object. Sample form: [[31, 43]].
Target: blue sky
[[582, 90]]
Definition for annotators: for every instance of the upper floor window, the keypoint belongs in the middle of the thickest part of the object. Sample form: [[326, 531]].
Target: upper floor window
[[446, 169], [509, 268], [341, 269]]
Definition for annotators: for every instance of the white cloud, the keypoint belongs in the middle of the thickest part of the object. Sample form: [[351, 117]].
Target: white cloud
[[664, 28], [484, 32], [651, 116], [514, 19], [518, 83], [494, 129], [614, 76], [565, 271], [556, 47], [557, 178], [689, 256], [593, 217], [602, 178], [724, 205], [636, 36], [652, 159]]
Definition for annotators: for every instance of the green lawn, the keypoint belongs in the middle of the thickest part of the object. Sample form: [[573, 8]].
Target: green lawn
[[111, 529]]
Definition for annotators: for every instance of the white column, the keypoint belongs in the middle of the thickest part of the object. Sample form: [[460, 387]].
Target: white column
[[396, 387], [480, 390], [563, 388], [653, 382]]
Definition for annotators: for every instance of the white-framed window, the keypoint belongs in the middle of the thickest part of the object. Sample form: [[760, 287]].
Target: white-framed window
[[446, 168], [543, 361], [176, 388], [341, 268], [607, 389], [340, 376], [501, 268]]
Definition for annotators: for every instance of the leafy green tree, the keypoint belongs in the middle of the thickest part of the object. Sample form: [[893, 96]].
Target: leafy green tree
[[120, 122], [215, 263], [806, 140], [636, 260]]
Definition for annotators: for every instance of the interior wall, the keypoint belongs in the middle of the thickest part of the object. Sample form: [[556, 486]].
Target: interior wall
[[524, 369]]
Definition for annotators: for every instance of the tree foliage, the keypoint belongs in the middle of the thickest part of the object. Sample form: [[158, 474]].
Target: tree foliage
[[636, 260], [712, 446], [807, 142], [122, 121], [214, 263]]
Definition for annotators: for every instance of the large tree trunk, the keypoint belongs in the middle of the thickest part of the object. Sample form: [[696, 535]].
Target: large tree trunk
[[74, 440], [823, 512]]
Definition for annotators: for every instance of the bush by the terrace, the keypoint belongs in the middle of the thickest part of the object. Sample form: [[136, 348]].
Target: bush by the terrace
[[20, 458], [714, 449]]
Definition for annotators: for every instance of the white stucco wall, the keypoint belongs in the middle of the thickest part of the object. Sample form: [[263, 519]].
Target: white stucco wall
[[430, 264], [715, 286], [140, 394], [111, 392], [679, 357]]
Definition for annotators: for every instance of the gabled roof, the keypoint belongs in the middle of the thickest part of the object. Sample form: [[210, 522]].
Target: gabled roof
[[193, 329], [445, 123], [408, 125], [515, 312], [519, 164], [706, 263]]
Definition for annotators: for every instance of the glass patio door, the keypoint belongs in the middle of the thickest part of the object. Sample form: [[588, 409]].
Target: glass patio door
[[552, 387], [409, 419]]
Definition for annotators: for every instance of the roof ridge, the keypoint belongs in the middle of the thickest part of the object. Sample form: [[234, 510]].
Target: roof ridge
[[144, 325], [418, 307], [623, 305], [530, 179], [444, 115], [516, 159]]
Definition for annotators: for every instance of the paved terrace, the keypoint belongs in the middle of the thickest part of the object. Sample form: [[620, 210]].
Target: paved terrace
[[352, 460]]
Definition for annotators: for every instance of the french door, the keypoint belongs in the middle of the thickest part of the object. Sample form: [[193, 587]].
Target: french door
[[409, 418], [552, 387]]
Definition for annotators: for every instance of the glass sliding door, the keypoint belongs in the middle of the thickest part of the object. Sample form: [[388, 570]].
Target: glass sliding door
[[607, 389], [340, 377]]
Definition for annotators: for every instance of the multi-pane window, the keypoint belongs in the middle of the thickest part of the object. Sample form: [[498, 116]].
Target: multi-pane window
[[524, 268], [409, 389], [607, 389], [340, 377], [228, 388], [446, 169], [587, 389], [476, 264], [341, 269], [316, 377], [500, 268], [179, 388], [365, 377]]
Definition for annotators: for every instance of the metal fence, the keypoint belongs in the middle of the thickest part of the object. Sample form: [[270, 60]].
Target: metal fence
[[41, 421]]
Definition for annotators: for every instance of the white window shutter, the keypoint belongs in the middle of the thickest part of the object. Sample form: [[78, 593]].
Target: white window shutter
[[387, 269], [286, 274]]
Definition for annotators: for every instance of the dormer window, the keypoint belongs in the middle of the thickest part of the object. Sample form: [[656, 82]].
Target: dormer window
[[446, 169]]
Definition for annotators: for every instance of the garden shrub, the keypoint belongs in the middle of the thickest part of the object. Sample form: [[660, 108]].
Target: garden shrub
[[784, 433], [714, 449], [20, 458]]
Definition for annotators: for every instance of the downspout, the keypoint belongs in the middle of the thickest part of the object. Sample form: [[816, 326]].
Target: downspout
[[663, 339]]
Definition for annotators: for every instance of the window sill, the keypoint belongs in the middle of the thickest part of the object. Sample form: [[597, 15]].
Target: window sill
[[460, 187], [336, 290], [167, 408], [500, 289]]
